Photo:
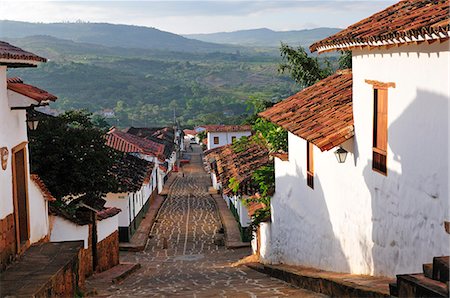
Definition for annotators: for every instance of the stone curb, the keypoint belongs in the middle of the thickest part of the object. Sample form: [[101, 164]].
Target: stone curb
[[133, 267], [230, 225], [314, 281], [140, 237]]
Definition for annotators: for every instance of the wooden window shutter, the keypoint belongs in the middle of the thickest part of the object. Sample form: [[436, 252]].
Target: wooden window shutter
[[380, 130]]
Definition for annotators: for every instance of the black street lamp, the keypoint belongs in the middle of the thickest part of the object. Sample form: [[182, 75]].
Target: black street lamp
[[341, 154]]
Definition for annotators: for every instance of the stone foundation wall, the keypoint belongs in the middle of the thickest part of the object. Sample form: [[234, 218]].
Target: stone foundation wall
[[7, 241], [107, 253], [66, 283]]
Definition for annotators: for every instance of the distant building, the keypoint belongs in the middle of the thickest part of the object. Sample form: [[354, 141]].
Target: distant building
[[221, 135]]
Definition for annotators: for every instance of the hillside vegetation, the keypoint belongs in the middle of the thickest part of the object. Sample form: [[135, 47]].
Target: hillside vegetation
[[147, 76], [147, 88]]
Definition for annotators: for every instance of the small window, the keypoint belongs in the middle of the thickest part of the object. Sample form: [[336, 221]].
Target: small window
[[379, 156], [309, 165], [233, 138], [216, 140]]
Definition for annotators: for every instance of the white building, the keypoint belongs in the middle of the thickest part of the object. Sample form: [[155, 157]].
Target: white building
[[23, 208], [382, 211], [138, 185], [221, 135]]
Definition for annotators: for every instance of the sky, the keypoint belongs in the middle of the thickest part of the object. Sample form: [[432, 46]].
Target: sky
[[204, 16]]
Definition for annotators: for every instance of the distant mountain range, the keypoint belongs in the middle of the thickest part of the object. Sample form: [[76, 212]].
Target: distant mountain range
[[266, 38], [139, 37], [110, 35]]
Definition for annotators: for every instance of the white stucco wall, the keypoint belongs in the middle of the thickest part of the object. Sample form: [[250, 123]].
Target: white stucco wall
[[224, 137], [64, 230], [107, 226], [359, 221], [121, 201], [13, 131], [38, 213]]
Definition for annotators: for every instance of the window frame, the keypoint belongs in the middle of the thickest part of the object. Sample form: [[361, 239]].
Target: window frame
[[310, 164]]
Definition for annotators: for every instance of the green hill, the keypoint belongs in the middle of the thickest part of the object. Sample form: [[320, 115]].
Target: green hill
[[145, 87], [111, 35]]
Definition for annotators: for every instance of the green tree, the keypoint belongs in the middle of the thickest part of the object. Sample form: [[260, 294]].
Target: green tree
[[345, 60], [70, 155], [305, 70]]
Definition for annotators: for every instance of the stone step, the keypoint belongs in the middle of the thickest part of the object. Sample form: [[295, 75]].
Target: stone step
[[428, 270], [329, 283], [418, 285], [441, 268]]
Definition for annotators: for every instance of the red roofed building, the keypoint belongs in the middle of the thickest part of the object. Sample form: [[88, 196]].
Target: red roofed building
[[220, 135], [381, 210]]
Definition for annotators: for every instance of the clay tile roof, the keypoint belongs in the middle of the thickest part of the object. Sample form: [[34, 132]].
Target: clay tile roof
[[226, 128], [238, 163], [14, 56], [127, 142], [131, 172], [42, 187], [321, 114], [404, 22], [190, 132], [17, 85], [107, 213], [161, 135]]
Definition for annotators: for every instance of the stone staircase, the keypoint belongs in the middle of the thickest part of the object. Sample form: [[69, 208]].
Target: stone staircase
[[433, 282]]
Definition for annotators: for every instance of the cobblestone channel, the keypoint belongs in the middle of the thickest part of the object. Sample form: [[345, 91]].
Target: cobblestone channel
[[181, 258]]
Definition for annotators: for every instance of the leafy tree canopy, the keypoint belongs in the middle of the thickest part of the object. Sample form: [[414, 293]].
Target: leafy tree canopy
[[69, 154]]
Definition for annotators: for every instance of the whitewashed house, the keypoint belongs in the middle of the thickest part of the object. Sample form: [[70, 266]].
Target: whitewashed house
[[23, 208], [226, 164], [137, 187], [221, 135], [383, 210]]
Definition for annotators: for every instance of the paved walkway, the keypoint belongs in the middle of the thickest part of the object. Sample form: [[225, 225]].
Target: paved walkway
[[181, 258]]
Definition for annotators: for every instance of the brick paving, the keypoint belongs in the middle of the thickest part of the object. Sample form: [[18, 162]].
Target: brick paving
[[181, 258]]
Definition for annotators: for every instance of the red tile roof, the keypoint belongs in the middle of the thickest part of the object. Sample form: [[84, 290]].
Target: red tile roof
[[252, 207], [15, 56], [238, 163], [127, 142], [405, 22], [226, 128], [190, 132], [321, 114], [131, 172], [107, 213], [41, 185], [41, 96]]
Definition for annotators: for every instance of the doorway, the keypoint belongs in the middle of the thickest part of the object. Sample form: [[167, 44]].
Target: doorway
[[20, 193]]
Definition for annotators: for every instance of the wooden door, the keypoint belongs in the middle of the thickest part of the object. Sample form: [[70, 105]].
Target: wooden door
[[20, 192]]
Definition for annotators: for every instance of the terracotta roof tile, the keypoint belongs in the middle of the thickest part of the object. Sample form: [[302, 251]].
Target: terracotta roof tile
[[127, 142], [107, 213], [11, 53], [226, 128], [131, 172], [42, 187], [161, 135], [238, 163], [404, 22], [17, 85], [321, 114]]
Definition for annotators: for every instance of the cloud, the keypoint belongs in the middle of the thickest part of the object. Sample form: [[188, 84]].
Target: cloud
[[186, 16]]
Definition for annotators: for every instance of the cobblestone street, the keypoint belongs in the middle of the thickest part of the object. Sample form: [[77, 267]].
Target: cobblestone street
[[181, 258]]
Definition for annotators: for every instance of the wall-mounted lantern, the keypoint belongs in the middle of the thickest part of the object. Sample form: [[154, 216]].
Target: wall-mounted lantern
[[4, 154], [341, 154], [32, 121]]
